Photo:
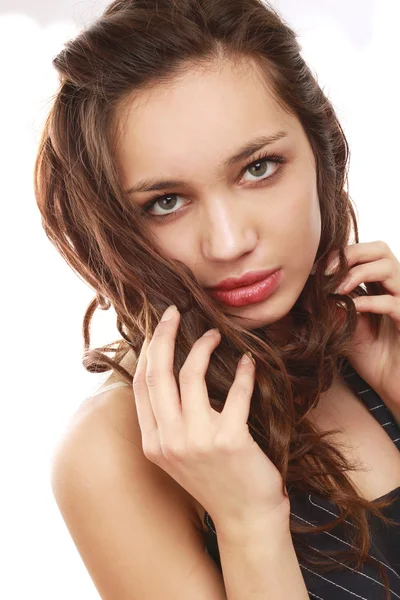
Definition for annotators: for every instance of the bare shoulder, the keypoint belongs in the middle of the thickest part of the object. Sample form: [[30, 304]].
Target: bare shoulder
[[135, 528], [112, 416]]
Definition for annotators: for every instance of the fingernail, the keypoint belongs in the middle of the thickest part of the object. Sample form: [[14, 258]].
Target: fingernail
[[169, 313], [210, 332], [329, 270], [245, 360]]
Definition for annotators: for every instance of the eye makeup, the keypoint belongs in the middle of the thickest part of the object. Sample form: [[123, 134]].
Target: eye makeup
[[263, 158]]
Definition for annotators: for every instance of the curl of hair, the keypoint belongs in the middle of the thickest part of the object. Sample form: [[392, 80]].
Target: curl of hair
[[137, 44]]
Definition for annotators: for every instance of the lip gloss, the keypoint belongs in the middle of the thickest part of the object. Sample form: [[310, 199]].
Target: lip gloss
[[249, 294]]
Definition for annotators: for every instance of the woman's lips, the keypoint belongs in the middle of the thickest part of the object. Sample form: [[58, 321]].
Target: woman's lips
[[249, 294]]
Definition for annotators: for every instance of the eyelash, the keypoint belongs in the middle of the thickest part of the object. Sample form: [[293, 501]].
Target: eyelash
[[277, 159]]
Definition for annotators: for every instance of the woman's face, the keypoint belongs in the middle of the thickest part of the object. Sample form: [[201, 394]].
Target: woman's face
[[225, 219]]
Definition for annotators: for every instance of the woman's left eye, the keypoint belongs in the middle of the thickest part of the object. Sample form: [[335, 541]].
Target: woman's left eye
[[264, 160], [256, 164]]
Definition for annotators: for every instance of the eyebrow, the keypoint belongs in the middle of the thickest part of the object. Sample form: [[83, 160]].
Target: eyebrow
[[151, 185]]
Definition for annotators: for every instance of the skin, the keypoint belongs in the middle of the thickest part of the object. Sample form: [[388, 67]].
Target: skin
[[224, 225]]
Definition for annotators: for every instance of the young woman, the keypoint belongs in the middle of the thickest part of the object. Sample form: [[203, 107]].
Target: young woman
[[190, 158]]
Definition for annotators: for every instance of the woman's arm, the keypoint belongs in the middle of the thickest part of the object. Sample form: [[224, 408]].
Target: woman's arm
[[133, 527], [259, 561]]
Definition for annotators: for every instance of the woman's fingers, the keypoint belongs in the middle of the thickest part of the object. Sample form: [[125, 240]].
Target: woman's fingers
[[147, 421], [194, 394], [146, 415], [237, 405], [163, 407], [162, 387]]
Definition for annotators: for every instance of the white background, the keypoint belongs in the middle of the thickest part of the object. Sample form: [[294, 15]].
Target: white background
[[353, 48]]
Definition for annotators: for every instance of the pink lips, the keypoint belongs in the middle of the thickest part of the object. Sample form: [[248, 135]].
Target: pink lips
[[247, 279], [250, 293]]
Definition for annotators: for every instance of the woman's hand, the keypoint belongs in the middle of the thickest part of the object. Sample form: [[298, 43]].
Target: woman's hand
[[378, 362], [210, 454]]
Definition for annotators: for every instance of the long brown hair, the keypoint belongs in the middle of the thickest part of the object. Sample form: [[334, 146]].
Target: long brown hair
[[102, 235]]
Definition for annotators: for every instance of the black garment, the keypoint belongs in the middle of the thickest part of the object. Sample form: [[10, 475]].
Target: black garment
[[346, 583]]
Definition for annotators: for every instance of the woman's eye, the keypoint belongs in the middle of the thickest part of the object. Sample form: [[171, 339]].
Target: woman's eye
[[165, 200], [261, 168], [261, 172]]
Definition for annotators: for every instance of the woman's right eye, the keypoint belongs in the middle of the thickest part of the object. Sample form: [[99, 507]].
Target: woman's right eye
[[154, 201]]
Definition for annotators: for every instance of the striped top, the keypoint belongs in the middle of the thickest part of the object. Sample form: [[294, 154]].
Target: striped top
[[310, 509], [347, 583]]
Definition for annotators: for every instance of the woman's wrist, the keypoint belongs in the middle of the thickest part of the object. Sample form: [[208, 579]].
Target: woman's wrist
[[250, 523]]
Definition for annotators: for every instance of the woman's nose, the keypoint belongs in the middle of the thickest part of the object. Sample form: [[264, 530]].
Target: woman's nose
[[227, 235]]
